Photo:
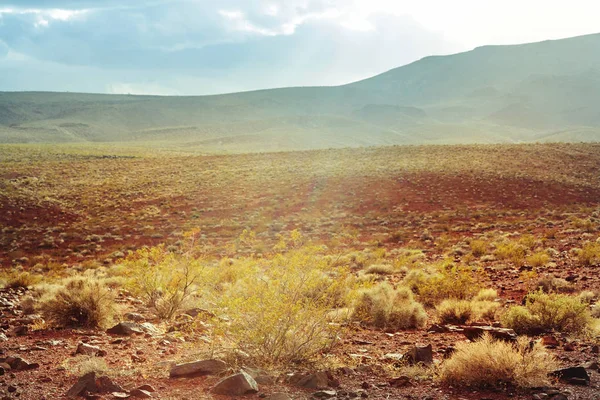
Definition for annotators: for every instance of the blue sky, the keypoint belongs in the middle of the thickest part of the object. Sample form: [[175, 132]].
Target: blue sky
[[191, 47]]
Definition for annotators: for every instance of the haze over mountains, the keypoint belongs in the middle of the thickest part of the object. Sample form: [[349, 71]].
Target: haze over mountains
[[547, 91]]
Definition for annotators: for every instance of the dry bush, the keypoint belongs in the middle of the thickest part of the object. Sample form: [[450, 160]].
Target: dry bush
[[545, 312], [454, 311], [22, 279], [278, 310], [478, 247], [81, 302], [511, 251], [538, 259], [380, 269], [385, 307], [589, 254], [486, 295], [488, 363], [554, 285], [167, 281], [449, 282], [463, 311]]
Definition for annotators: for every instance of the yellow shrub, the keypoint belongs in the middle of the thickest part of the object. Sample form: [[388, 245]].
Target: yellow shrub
[[538, 259], [450, 282], [590, 254], [478, 247], [21, 279], [385, 307], [544, 312], [511, 251], [488, 363]]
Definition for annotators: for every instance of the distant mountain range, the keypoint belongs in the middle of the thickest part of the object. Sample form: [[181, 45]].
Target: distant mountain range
[[547, 91]]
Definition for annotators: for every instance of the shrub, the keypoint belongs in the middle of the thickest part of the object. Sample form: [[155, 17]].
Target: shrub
[[166, 280], [544, 312], [554, 285], [23, 279], [278, 311], [454, 311], [81, 302], [380, 269], [486, 295], [478, 247], [538, 259], [511, 251], [385, 307], [590, 254], [450, 282], [488, 363], [462, 311]]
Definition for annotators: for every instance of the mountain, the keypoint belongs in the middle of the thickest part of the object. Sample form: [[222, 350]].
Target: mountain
[[547, 91]]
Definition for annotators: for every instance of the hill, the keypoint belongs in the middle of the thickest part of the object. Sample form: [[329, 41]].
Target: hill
[[547, 91]]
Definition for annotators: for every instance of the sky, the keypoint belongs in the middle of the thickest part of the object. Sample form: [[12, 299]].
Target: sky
[[194, 47]]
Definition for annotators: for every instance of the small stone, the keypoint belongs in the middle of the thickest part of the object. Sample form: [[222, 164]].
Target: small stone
[[475, 332], [318, 380], [400, 381], [89, 350], [199, 368], [106, 385], [236, 385], [87, 383], [572, 375], [325, 394], [278, 396], [11, 389], [420, 354], [147, 388], [550, 342]]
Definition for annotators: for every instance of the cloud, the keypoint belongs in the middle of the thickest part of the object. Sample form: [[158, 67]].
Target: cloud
[[195, 47]]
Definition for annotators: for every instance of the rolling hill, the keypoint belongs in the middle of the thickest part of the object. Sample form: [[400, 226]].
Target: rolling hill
[[547, 91]]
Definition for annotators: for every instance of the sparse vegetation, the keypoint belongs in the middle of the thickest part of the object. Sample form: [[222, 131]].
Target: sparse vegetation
[[545, 312], [488, 363], [81, 302], [383, 306]]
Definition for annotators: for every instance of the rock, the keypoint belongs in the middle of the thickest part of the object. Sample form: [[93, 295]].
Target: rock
[[278, 396], [21, 330], [87, 383], [325, 394], [595, 348], [11, 389], [18, 364], [140, 394], [260, 376], [106, 385], [3, 337], [400, 381], [420, 354], [89, 350], [236, 385], [194, 312], [199, 368], [2, 371], [126, 328], [147, 388], [120, 395], [135, 317], [592, 365], [475, 332], [435, 328], [572, 375], [318, 380], [550, 342]]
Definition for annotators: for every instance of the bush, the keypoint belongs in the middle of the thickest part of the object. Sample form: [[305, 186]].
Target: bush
[[278, 310], [486, 295], [544, 312], [488, 363], [511, 251], [380, 269], [450, 282], [462, 311], [590, 254], [478, 247], [23, 279], [554, 285], [454, 311], [167, 281], [80, 302], [538, 259], [385, 307]]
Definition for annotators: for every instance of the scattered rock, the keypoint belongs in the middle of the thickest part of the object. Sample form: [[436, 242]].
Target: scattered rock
[[400, 381], [18, 364], [318, 380], [550, 342], [89, 350], [87, 383], [325, 394], [420, 354], [199, 368], [106, 385], [236, 385], [135, 317], [592, 365], [126, 328], [572, 375], [475, 332], [260, 376]]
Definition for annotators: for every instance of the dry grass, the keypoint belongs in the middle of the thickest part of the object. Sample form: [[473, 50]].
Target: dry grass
[[81, 302], [385, 307], [488, 363]]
